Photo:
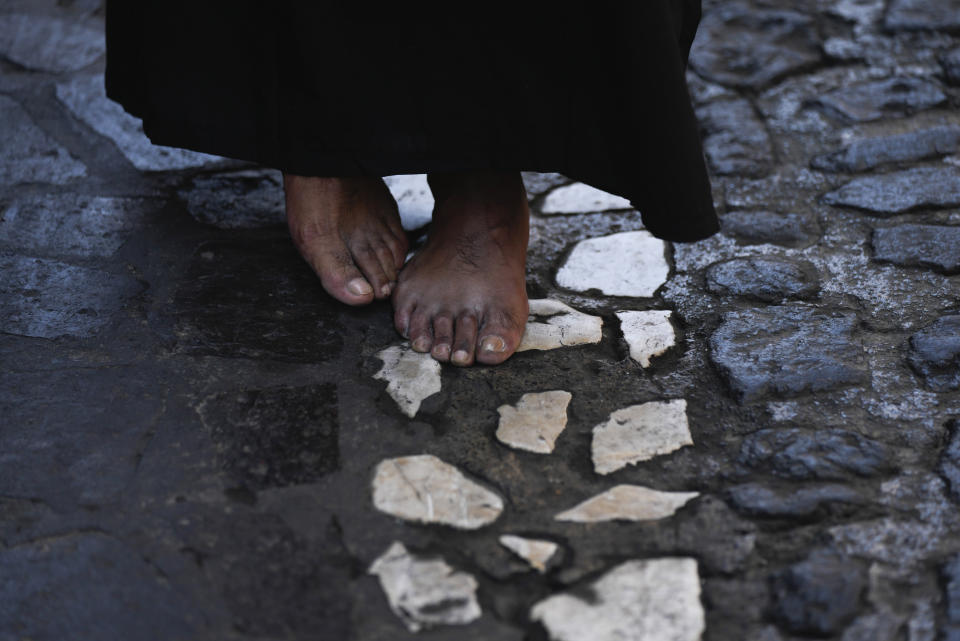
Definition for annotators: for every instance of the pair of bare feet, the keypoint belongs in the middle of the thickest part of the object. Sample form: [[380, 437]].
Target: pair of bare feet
[[462, 297]]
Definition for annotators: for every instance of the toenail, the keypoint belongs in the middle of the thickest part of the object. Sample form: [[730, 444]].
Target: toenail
[[493, 344], [460, 357], [359, 287], [442, 351], [386, 289], [421, 344]]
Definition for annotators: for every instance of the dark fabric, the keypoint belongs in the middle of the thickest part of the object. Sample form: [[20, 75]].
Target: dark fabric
[[595, 92]]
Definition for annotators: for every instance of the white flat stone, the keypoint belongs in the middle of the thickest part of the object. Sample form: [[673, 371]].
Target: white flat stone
[[628, 503], [651, 600], [639, 433], [50, 44], [414, 199], [425, 592], [630, 263], [647, 333], [87, 99], [424, 488], [411, 377], [580, 199], [552, 324], [536, 552], [535, 422]]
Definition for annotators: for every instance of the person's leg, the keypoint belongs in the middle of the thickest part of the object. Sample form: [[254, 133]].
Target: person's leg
[[349, 230], [463, 296]]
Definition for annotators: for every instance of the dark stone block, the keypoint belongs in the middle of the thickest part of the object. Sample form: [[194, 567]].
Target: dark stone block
[[237, 200], [935, 354], [756, 227], [275, 437], [909, 147], [787, 351], [912, 15], [714, 533], [760, 500], [769, 279], [950, 462], [951, 66], [879, 99], [951, 584], [933, 246], [902, 191], [818, 596], [822, 455], [256, 299], [735, 140]]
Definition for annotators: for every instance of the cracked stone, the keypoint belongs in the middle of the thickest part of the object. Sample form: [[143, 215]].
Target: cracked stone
[[625, 264], [48, 299], [581, 199], [820, 595], [878, 99], [414, 199], [935, 354], [535, 422], [635, 601], [552, 324], [950, 462], [912, 15], [787, 351], [743, 46], [931, 246], [902, 191], [648, 334], [534, 551], [423, 488], [639, 433], [736, 141], [951, 66], [411, 377], [42, 43], [869, 153], [628, 503], [760, 500], [237, 200], [70, 225], [425, 592], [767, 278], [29, 155], [756, 227], [826, 454], [87, 99]]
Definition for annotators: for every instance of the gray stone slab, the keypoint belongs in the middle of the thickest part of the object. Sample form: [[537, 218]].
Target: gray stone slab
[[757, 499], [950, 461], [787, 351], [71, 225], [48, 298], [736, 141], [909, 15], [902, 191], [824, 454], [29, 155], [933, 246], [237, 200], [935, 353], [950, 62], [869, 153], [739, 45], [756, 227], [820, 595], [86, 97], [44, 43], [889, 98], [766, 278]]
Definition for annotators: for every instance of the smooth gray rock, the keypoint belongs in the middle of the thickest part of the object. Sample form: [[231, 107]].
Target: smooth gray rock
[[909, 147], [826, 454], [910, 15], [902, 191], [787, 351], [49, 298], [236, 200], [950, 461], [757, 499], [757, 227], [44, 43], [933, 246], [764, 278], [935, 354], [892, 97], [743, 46], [951, 66], [736, 141], [29, 155], [820, 595]]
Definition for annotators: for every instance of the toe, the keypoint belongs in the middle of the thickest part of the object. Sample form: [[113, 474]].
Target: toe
[[465, 340], [442, 337], [499, 338], [368, 261], [401, 317], [388, 265], [421, 335], [338, 273]]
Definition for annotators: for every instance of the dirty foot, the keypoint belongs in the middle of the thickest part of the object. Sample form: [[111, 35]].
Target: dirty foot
[[463, 296], [349, 230]]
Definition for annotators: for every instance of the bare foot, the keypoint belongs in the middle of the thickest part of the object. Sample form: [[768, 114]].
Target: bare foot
[[463, 296], [349, 230]]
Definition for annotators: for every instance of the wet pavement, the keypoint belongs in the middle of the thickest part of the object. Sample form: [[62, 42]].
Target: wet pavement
[[755, 437]]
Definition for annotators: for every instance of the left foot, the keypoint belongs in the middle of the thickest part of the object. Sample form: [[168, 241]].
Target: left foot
[[463, 296]]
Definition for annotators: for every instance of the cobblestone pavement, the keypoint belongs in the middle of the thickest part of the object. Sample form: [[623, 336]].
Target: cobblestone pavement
[[752, 438]]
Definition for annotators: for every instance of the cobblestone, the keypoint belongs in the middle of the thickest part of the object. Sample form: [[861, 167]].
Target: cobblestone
[[767, 279], [896, 193], [931, 246]]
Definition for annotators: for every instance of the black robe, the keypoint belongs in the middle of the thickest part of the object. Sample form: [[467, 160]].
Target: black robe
[[596, 92]]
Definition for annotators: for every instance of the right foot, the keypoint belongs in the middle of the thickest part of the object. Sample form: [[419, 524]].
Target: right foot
[[349, 230]]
